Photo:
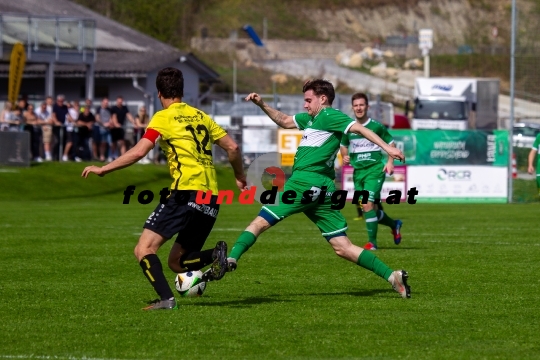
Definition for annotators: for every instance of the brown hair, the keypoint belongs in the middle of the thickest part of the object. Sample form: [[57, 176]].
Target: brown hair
[[360, 96], [321, 87]]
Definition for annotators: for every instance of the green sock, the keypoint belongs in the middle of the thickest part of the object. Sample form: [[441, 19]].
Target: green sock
[[369, 261], [242, 244], [372, 225], [386, 220]]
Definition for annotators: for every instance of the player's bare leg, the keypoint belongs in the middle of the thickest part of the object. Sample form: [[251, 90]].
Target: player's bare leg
[[145, 252], [366, 259], [122, 145]]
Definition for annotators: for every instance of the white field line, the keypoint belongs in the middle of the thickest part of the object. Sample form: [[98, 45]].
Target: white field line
[[476, 242]]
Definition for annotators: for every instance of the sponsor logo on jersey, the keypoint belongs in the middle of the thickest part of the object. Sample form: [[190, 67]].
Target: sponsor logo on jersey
[[363, 145]]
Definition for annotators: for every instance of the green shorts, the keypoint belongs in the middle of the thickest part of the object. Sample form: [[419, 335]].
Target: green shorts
[[370, 179], [329, 221]]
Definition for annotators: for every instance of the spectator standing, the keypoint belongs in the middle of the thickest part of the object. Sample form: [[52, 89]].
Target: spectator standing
[[6, 117], [59, 114], [85, 123], [16, 120], [50, 103], [102, 135], [119, 113], [71, 134], [32, 126], [141, 122], [22, 104], [87, 104], [45, 120]]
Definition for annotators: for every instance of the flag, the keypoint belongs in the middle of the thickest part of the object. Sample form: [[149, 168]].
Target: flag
[[16, 68]]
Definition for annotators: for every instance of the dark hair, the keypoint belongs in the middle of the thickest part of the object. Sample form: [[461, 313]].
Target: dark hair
[[321, 87], [360, 96], [170, 83]]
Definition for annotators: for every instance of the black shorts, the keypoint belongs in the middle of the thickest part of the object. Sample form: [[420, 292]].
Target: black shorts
[[117, 134], [71, 137], [180, 214], [83, 132]]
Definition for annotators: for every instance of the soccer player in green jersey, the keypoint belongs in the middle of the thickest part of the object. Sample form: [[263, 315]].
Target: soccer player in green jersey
[[535, 150], [312, 180], [369, 169]]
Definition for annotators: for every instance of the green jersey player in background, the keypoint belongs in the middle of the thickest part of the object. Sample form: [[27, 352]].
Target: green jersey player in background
[[312, 180], [534, 151], [370, 169]]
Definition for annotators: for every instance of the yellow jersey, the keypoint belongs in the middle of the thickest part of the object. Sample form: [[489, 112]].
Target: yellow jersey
[[186, 135]]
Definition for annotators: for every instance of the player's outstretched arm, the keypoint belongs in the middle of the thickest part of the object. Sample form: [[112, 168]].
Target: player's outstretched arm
[[345, 155], [530, 168], [283, 120], [389, 166], [235, 158], [133, 155], [359, 129]]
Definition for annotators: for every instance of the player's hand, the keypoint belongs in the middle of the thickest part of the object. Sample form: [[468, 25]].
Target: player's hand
[[92, 169], [395, 153], [530, 169], [241, 182], [346, 160], [389, 168], [255, 98]]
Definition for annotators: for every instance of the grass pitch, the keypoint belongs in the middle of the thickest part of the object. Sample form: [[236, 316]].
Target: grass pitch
[[72, 289]]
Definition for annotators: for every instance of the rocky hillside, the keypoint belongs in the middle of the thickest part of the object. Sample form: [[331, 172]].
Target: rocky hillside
[[454, 22], [353, 21]]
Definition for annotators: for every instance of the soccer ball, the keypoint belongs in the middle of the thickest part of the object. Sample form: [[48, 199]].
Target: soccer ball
[[190, 284]]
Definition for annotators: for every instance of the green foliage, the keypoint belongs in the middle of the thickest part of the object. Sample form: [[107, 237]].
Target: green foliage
[[251, 79], [476, 65], [485, 5], [176, 21]]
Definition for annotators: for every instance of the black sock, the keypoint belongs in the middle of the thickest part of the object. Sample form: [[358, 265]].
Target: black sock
[[153, 271], [196, 260], [359, 210]]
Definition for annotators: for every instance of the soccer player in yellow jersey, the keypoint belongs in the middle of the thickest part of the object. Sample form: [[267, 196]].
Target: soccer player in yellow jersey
[[186, 135]]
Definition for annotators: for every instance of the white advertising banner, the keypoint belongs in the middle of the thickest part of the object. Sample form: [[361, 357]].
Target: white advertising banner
[[459, 184], [257, 141], [258, 120]]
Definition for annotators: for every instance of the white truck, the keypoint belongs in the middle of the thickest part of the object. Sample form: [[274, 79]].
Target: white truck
[[455, 103]]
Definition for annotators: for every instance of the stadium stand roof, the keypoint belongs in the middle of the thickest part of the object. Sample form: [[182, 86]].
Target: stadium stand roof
[[120, 51]]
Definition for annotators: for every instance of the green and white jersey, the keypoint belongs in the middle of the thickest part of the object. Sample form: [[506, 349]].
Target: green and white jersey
[[364, 153], [320, 142], [536, 147]]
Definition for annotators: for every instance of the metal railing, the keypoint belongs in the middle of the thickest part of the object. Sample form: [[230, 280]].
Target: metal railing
[[293, 104]]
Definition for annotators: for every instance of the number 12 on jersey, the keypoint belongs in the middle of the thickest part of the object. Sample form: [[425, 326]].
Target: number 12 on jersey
[[201, 145]]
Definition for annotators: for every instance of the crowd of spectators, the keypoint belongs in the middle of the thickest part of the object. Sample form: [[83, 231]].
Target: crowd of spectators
[[66, 131]]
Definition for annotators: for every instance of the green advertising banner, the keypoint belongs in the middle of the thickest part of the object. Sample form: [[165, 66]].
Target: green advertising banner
[[453, 147]]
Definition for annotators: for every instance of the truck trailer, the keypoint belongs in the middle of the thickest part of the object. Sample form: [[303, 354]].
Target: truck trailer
[[456, 103]]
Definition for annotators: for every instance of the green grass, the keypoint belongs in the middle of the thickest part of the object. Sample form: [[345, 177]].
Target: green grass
[[71, 287]]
